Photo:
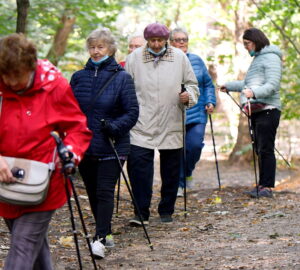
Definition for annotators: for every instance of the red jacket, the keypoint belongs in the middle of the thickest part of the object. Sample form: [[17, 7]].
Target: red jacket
[[26, 121]]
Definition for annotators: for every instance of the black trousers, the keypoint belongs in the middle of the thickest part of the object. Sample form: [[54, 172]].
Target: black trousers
[[100, 178], [140, 167], [265, 124]]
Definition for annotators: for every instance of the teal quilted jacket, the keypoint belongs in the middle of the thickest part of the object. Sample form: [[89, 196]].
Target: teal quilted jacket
[[263, 77]]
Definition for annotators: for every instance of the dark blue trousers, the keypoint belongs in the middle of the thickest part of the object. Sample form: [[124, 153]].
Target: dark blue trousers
[[194, 144], [265, 124], [140, 168]]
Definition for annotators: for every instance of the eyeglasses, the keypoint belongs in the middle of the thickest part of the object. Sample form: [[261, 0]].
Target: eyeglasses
[[178, 40]]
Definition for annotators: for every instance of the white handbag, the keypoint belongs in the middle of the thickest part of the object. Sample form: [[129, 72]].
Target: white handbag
[[32, 184]]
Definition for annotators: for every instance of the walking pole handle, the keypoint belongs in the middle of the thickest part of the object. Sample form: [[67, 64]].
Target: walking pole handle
[[103, 122], [183, 89], [65, 155], [249, 106]]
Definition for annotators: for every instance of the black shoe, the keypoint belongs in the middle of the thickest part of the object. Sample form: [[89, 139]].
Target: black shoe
[[262, 192], [166, 219], [253, 192], [266, 192], [135, 221]]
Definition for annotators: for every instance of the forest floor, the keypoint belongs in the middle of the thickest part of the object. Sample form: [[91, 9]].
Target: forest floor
[[223, 229]]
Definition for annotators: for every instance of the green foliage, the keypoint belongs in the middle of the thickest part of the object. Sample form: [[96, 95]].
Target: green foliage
[[8, 17], [44, 19], [281, 21]]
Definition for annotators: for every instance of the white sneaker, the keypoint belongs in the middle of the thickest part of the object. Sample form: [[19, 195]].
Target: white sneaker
[[180, 192], [98, 249]]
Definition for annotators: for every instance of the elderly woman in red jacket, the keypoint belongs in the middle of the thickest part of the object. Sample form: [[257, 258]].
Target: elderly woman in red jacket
[[35, 100]]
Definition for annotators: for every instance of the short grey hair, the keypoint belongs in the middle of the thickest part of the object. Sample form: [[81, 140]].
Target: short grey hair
[[178, 30], [104, 35]]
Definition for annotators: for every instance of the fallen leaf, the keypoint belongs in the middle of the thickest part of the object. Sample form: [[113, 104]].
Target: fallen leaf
[[66, 241], [274, 236]]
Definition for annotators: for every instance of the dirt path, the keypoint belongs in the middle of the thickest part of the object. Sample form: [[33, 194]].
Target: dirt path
[[223, 230]]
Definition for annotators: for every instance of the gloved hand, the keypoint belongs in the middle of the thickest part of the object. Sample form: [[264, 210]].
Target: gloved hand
[[106, 128]]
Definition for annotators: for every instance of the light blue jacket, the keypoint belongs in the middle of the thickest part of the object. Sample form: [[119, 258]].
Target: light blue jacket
[[263, 77], [197, 114]]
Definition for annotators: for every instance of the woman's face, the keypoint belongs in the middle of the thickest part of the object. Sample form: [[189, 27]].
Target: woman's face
[[180, 41], [249, 45], [16, 82], [97, 50]]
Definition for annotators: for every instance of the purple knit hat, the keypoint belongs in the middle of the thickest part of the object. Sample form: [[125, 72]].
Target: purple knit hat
[[156, 30]]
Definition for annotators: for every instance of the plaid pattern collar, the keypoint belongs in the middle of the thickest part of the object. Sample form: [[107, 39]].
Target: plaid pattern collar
[[168, 56]]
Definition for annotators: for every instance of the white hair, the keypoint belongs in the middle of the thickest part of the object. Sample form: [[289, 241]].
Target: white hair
[[104, 35]]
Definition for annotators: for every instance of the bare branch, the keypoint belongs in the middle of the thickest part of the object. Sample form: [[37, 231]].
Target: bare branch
[[59, 45]]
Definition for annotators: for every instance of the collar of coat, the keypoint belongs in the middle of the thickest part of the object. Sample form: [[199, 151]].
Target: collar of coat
[[168, 56]]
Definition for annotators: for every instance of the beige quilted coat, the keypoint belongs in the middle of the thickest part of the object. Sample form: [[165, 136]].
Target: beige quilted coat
[[158, 85]]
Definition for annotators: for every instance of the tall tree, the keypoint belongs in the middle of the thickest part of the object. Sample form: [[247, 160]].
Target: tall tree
[[22, 10], [241, 23]]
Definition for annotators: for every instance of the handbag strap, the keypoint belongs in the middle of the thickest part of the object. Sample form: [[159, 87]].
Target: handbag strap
[[102, 90]]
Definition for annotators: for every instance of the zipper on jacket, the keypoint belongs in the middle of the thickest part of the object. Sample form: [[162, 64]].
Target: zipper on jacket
[[96, 71]]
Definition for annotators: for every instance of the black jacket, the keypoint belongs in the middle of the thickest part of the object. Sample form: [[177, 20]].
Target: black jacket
[[117, 105]]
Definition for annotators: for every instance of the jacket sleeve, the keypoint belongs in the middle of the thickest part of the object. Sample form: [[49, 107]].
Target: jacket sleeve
[[70, 121], [209, 88], [190, 82], [129, 106], [235, 86], [272, 73]]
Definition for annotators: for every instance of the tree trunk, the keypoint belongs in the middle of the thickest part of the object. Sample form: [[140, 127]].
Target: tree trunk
[[59, 45], [239, 152], [22, 10], [242, 151]]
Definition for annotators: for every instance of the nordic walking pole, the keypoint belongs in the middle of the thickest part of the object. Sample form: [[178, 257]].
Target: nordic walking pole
[[69, 168], [241, 109], [118, 195], [252, 136], [215, 152], [82, 221], [73, 222], [184, 154], [103, 123], [289, 165]]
